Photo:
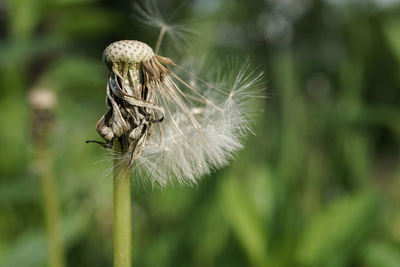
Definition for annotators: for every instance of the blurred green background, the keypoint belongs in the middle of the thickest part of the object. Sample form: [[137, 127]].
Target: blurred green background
[[319, 184]]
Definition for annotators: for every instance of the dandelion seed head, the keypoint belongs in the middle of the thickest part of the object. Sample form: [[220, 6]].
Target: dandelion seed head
[[42, 99], [173, 126], [190, 151]]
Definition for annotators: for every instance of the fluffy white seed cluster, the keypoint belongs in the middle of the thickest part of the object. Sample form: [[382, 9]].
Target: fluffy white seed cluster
[[204, 123], [187, 150]]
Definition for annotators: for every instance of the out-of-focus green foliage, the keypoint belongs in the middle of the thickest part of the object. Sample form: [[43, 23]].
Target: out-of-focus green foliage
[[319, 184]]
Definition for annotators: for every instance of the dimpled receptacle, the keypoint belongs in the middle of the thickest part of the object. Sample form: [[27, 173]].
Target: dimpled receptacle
[[127, 51]]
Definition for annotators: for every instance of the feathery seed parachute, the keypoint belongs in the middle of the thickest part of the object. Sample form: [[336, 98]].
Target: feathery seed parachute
[[171, 128]]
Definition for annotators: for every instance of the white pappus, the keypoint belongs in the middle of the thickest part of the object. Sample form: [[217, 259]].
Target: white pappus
[[171, 124]]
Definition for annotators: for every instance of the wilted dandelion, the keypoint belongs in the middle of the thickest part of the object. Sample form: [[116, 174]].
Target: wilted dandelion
[[165, 123], [170, 127], [43, 103]]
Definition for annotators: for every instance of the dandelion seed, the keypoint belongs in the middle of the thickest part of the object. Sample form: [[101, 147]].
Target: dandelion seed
[[172, 129], [148, 13]]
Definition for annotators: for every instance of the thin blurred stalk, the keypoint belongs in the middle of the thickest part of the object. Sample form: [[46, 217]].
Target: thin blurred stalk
[[354, 142], [51, 209], [293, 117], [42, 103], [122, 212], [293, 149]]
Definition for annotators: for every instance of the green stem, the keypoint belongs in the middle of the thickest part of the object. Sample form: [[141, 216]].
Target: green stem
[[51, 211], [122, 214]]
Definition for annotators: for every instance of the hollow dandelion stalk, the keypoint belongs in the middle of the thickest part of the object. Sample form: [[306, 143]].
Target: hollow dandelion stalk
[[121, 212]]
